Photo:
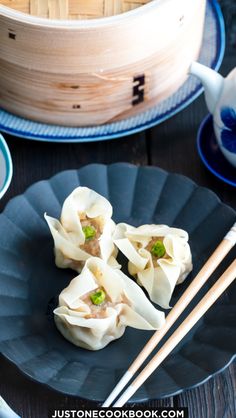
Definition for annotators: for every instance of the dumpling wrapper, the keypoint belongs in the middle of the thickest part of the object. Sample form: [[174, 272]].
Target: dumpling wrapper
[[127, 306], [68, 235], [159, 277]]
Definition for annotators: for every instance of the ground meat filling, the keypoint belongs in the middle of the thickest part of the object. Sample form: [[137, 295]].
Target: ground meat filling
[[100, 311], [91, 245], [150, 245], [97, 311]]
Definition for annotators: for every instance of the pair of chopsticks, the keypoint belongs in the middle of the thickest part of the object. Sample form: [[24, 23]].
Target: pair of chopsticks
[[206, 302]]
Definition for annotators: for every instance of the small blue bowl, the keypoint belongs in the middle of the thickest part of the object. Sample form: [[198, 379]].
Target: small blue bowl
[[211, 154], [6, 169]]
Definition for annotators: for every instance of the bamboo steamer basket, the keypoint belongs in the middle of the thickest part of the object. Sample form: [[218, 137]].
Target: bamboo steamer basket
[[79, 63]]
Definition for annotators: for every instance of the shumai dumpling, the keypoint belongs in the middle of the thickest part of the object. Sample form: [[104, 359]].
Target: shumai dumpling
[[99, 303], [159, 257], [85, 230]]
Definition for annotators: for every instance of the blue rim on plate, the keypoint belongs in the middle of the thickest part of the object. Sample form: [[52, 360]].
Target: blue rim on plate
[[28, 335], [211, 154], [212, 52], [6, 168]]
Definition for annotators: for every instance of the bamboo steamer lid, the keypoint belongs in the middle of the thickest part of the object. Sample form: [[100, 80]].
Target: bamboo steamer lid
[[86, 72], [73, 9]]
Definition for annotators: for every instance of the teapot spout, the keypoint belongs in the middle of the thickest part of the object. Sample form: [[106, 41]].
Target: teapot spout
[[212, 83]]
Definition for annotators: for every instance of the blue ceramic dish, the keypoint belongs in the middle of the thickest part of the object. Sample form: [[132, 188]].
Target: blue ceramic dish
[[6, 169], [6, 411], [211, 154], [211, 54], [30, 281]]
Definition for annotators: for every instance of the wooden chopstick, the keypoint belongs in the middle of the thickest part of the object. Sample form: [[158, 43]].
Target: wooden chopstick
[[207, 301], [209, 267]]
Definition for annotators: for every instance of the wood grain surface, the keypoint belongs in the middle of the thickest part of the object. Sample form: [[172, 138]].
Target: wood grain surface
[[165, 146], [171, 146], [86, 74], [73, 9]]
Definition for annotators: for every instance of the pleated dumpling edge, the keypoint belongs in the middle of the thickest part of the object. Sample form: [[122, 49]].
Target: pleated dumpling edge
[[85, 229], [99, 303], [159, 257]]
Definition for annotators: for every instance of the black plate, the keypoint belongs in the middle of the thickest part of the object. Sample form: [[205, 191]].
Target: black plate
[[29, 281]]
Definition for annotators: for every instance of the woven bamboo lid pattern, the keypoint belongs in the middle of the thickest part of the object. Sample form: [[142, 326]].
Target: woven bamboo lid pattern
[[73, 9]]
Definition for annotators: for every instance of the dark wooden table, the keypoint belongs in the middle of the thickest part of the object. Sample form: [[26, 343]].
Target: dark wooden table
[[171, 146]]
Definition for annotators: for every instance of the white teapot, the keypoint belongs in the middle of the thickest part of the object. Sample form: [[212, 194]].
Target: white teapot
[[220, 95]]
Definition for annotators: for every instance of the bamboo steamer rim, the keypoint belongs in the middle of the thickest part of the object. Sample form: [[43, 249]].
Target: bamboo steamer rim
[[95, 23], [109, 58]]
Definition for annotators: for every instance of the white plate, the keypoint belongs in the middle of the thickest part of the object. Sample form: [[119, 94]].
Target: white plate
[[5, 166]]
